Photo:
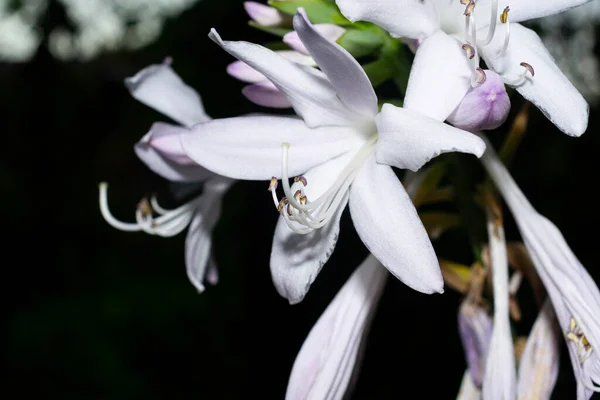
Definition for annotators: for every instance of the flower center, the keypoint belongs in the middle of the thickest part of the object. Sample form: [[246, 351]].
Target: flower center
[[470, 47], [304, 215], [167, 223]]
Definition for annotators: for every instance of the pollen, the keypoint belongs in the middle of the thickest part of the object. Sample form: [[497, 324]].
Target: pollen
[[504, 15]]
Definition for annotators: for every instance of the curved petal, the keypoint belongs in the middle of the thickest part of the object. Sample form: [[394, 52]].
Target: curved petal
[[324, 365], [549, 89], [266, 94], [388, 224], [173, 166], [306, 88], [159, 87], [198, 242], [343, 71], [439, 77], [296, 260], [329, 31], [250, 147], [402, 18], [408, 139]]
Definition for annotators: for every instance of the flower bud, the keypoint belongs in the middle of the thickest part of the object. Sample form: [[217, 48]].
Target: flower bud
[[484, 107]]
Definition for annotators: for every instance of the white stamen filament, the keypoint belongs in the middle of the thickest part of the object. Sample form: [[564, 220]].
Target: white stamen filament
[[169, 223], [297, 209], [522, 78], [492, 28]]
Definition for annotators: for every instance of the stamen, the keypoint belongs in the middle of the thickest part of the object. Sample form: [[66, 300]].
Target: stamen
[[576, 335], [480, 77], [469, 9], [492, 28], [464, 2], [302, 180], [504, 15], [529, 68], [469, 50], [107, 215], [273, 184], [521, 79]]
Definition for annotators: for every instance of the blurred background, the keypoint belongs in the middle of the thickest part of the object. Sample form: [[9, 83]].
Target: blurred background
[[102, 314]]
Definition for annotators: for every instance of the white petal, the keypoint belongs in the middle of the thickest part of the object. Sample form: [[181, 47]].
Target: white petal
[[264, 15], [173, 168], [306, 88], [330, 32], [500, 376], [389, 226], [549, 89], [266, 94], [439, 77], [324, 365], [250, 147], [468, 390], [297, 259], [245, 73], [538, 368], [297, 57], [402, 18], [198, 242], [523, 10], [159, 87], [343, 71], [408, 139]]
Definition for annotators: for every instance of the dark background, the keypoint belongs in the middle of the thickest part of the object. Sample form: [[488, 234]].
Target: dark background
[[98, 313]]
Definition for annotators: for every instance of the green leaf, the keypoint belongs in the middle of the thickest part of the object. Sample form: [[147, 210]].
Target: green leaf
[[360, 43], [273, 30], [318, 11]]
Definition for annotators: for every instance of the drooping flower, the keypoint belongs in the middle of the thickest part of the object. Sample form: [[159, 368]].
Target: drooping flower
[[574, 295], [324, 367], [160, 149], [454, 35], [344, 148]]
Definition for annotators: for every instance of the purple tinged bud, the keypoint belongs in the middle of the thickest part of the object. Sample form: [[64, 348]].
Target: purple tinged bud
[[264, 15], [484, 107], [266, 94], [475, 328]]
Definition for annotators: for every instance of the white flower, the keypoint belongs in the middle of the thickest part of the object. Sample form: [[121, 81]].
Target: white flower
[[574, 295], [455, 33], [345, 149], [327, 360], [160, 88]]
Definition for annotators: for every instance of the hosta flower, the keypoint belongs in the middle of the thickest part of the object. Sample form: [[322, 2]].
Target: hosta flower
[[160, 88], [538, 368], [344, 148], [262, 91], [500, 380], [574, 295], [456, 33], [327, 360]]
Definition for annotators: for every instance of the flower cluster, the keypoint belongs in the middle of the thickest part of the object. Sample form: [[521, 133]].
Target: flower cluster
[[342, 146]]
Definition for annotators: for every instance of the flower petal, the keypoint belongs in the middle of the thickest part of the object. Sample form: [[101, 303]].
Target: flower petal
[[198, 242], [172, 166], [159, 87], [330, 32], [264, 15], [389, 226], [324, 365], [245, 73], [266, 94], [402, 18], [549, 89], [343, 71], [523, 10], [439, 77], [306, 88], [250, 147], [296, 260], [408, 139]]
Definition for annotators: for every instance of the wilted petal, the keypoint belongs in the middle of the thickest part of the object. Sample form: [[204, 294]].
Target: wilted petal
[[297, 259], [306, 88], [264, 15], [343, 71], [402, 18], [324, 365], [439, 77], [389, 226], [549, 89], [475, 328], [484, 107], [198, 243], [499, 379], [266, 94], [159, 87], [160, 149], [538, 368], [408, 139], [250, 147], [330, 32]]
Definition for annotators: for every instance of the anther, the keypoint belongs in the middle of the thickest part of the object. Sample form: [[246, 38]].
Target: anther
[[282, 204], [469, 8], [273, 184], [301, 179], [470, 50], [504, 15], [144, 207], [464, 2], [297, 195], [303, 200], [528, 67], [481, 77]]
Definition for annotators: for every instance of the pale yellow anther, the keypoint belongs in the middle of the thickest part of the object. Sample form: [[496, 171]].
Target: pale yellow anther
[[528, 67], [301, 179], [303, 200], [481, 77], [282, 204], [504, 15], [145, 208], [470, 50], [464, 2], [297, 195], [273, 184], [469, 8]]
